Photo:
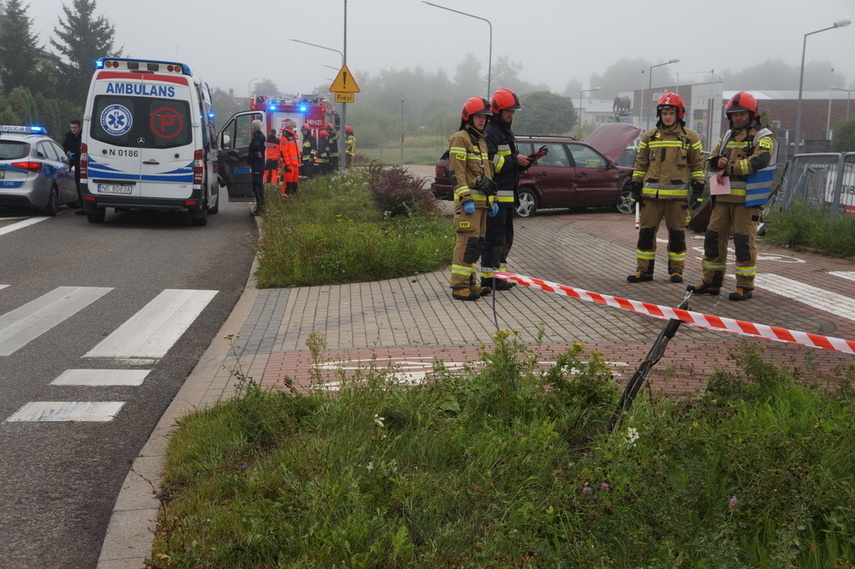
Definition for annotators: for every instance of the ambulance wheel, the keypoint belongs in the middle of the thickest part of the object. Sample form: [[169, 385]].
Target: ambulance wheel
[[200, 218], [98, 216]]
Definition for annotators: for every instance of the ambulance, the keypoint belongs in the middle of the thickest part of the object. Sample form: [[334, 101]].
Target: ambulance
[[148, 141]]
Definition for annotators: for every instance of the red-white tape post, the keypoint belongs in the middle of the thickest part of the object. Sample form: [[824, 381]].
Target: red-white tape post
[[697, 319]]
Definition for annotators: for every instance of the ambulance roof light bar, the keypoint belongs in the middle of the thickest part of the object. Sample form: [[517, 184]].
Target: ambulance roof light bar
[[143, 65]]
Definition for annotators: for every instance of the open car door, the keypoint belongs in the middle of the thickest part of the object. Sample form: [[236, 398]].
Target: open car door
[[233, 156]]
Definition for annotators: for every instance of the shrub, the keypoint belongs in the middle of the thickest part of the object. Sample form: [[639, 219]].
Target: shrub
[[396, 192]]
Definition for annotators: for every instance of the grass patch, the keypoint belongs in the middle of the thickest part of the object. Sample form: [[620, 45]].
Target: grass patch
[[366, 226], [508, 465], [804, 226]]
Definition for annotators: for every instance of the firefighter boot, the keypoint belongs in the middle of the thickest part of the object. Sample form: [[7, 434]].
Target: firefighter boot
[[464, 294], [703, 288], [504, 285], [639, 277], [741, 293], [676, 278]]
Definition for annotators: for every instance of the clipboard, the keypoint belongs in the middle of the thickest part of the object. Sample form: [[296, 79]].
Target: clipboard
[[719, 186]]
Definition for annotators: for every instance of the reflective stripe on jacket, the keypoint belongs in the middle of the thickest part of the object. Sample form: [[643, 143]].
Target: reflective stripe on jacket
[[467, 161], [750, 150], [668, 159]]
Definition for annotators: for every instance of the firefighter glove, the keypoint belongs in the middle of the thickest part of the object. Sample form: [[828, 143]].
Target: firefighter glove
[[71, 155], [469, 207], [635, 188], [495, 211], [697, 190]]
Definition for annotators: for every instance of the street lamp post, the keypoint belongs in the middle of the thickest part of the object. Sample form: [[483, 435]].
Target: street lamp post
[[848, 93], [490, 56], [839, 24], [650, 81], [579, 129]]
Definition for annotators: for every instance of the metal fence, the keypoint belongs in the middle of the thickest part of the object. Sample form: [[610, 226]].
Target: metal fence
[[823, 181]]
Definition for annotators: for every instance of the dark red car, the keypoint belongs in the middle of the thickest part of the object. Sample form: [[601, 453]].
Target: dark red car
[[573, 173]]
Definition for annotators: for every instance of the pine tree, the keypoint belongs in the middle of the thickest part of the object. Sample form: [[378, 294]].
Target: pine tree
[[19, 50], [81, 40]]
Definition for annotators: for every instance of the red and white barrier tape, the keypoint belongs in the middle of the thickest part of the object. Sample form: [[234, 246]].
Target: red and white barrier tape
[[697, 319]]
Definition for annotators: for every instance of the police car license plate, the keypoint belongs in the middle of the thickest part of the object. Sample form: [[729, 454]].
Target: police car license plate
[[2, 174], [114, 189]]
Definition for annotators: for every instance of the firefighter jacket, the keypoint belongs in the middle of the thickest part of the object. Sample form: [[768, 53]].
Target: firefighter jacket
[[668, 159], [272, 147], [309, 149], [323, 154], [350, 145], [469, 161], [502, 150], [750, 167], [333, 144]]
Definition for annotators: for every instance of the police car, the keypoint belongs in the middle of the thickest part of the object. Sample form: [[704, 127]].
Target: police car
[[34, 171]]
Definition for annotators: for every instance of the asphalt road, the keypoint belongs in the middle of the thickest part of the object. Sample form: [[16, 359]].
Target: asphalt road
[[75, 296]]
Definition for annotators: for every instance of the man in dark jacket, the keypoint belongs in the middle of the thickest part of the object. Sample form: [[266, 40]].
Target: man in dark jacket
[[71, 145], [256, 159], [508, 164]]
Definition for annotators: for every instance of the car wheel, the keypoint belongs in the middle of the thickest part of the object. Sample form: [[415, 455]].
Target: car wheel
[[527, 203], [624, 203], [52, 207]]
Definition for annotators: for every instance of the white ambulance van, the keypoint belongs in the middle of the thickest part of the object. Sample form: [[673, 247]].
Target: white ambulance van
[[148, 141]]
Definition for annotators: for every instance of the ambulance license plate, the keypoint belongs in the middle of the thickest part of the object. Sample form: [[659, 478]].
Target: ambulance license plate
[[115, 189]]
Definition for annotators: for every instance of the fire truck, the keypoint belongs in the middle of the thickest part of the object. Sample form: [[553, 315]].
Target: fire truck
[[233, 139]]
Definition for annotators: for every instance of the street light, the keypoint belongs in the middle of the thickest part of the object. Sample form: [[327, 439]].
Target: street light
[[249, 86], [848, 93], [321, 47], [839, 24], [579, 130], [490, 56], [650, 82]]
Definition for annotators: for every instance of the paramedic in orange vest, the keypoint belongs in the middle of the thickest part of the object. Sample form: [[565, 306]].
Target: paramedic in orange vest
[[744, 157], [271, 167]]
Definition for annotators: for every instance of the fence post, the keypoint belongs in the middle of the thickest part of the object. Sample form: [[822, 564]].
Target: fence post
[[838, 188]]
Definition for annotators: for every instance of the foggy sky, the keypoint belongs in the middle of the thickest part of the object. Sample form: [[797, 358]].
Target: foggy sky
[[555, 40]]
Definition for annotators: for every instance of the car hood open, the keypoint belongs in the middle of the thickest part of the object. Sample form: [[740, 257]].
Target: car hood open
[[611, 139]]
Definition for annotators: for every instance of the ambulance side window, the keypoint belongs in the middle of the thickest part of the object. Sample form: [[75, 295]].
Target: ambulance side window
[[141, 121]]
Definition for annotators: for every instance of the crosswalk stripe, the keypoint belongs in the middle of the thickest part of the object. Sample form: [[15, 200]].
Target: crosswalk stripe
[[33, 319], [843, 274], [816, 297], [154, 329], [101, 377], [58, 411]]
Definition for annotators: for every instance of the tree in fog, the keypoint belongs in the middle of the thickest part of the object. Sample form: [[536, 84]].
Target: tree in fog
[[844, 137], [19, 50], [545, 113], [81, 38], [468, 78]]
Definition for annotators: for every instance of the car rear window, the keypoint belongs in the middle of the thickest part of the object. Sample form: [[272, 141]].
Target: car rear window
[[13, 149], [141, 122]]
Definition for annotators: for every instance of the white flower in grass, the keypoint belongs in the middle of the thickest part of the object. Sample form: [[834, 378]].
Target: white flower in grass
[[631, 436]]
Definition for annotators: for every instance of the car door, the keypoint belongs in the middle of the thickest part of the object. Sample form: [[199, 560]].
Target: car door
[[55, 169], [64, 174], [597, 180], [233, 156], [553, 176]]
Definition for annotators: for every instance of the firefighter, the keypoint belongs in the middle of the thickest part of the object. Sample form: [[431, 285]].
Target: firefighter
[[333, 147], [349, 147], [323, 156], [271, 167], [508, 163], [473, 196], [308, 152], [290, 152], [668, 164], [745, 156]]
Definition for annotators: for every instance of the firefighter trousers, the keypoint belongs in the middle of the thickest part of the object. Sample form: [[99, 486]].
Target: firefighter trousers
[[470, 230], [498, 241], [652, 212], [731, 219]]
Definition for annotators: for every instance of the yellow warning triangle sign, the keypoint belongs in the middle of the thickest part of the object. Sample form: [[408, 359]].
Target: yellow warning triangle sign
[[344, 82]]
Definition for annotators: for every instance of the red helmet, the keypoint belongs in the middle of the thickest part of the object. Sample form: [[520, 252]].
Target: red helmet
[[475, 106], [674, 101], [348, 130], [505, 99], [306, 127], [742, 101], [329, 127], [323, 133]]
